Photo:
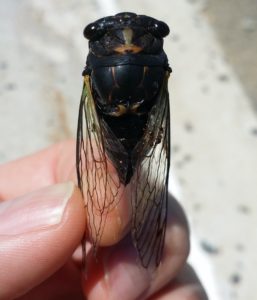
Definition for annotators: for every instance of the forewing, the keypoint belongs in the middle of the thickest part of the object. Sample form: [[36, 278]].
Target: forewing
[[151, 159], [97, 179]]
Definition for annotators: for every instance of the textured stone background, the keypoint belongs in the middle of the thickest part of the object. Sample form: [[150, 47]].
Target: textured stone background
[[212, 49]]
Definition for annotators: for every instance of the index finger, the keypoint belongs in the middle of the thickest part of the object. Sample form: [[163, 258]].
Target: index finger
[[53, 165]]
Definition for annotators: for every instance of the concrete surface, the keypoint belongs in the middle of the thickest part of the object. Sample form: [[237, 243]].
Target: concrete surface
[[235, 23], [214, 128]]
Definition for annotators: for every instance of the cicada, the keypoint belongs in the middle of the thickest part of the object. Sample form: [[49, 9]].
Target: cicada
[[124, 124]]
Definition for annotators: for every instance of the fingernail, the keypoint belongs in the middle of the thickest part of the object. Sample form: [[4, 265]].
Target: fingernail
[[124, 278], [35, 211], [128, 281]]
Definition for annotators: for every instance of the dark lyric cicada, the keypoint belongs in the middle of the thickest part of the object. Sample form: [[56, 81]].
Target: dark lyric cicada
[[123, 137]]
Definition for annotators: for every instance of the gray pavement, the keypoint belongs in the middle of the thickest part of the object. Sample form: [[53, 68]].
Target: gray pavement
[[235, 23], [214, 127]]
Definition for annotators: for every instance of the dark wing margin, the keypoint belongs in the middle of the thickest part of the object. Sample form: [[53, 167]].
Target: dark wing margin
[[80, 152], [80, 146], [151, 161], [100, 187]]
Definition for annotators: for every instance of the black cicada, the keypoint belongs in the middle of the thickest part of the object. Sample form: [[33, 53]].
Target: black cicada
[[124, 125]]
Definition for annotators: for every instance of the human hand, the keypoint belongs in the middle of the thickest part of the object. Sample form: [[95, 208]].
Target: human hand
[[40, 231]]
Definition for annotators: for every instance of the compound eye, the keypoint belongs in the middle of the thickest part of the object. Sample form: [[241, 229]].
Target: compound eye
[[159, 29], [93, 31]]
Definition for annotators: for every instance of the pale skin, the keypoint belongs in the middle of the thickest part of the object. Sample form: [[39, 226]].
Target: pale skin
[[40, 263]]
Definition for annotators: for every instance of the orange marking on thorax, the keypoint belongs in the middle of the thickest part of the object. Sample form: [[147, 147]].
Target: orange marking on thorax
[[123, 49]]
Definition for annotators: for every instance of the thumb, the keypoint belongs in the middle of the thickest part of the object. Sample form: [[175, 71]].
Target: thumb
[[38, 233]]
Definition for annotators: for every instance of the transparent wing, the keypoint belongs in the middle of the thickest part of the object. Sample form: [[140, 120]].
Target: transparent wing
[[151, 159], [98, 181]]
